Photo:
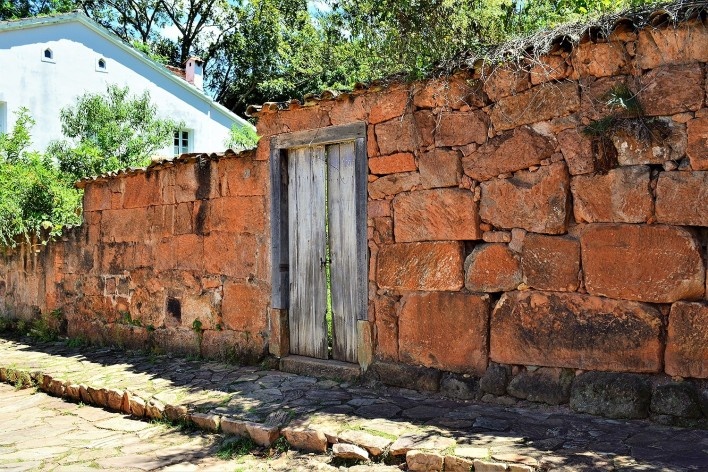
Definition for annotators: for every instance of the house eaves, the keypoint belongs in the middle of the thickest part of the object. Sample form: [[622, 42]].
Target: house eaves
[[78, 17]]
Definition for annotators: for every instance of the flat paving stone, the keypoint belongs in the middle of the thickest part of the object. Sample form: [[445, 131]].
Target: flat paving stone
[[79, 437]]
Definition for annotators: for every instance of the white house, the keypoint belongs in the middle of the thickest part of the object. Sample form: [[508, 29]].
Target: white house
[[48, 62]]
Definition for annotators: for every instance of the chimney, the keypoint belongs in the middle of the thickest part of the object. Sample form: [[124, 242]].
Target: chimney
[[194, 71]]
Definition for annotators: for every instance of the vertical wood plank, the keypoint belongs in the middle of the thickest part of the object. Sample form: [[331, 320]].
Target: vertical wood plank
[[343, 249], [279, 228], [362, 244], [306, 227]]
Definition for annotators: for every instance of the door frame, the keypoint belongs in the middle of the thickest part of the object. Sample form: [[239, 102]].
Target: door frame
[[279, 146]]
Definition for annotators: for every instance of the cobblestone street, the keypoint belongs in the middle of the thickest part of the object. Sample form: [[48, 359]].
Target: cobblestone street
[[388, 425]]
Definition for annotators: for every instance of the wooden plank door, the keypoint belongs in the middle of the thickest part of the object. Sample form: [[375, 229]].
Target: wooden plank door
[[341, 187], [307, 251]]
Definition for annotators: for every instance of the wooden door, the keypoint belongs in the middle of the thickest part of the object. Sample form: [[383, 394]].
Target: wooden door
[[322, 215]]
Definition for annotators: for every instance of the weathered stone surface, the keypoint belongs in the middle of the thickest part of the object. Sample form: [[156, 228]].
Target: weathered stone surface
[[261, 434], [687, 340], [535, 201], [495, 379], [374, 445], [541, 103], [440, 168], [114, 399], [425, 325], [386, 328], [308, 440], [420, 441], [547, 384], [576, 331], [175, 412], [505, 80], [399, 162], [508, 152], [206, 421], [652, 142], [577, 151], [424, 461], [549, 67], [461, 128], [154, 409], [393, 184], [349, 452], [458, 464], [496, 236], [436, 215], [595, 92], [611, 395], [454, 92], [489, 466], [137, 406], [429, 266], [672, 45], [390, 103], [551, 263], [620, 196], [462, 387], [632, 262], [405, 376], [492, 268], [697, 146], [599, 59], [243, 306], [397, 135], [668, 90], [676, 399], [234, 426], [682, 198]]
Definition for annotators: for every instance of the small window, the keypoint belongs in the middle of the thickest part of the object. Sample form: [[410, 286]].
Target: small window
[[101, 65], [182, 143], [48, 55]]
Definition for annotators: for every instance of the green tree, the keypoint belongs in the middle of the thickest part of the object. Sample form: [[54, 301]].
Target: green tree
[[110, 131], [13, 9]]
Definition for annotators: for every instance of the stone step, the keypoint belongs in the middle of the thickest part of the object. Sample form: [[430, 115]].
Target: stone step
[[325, 368]]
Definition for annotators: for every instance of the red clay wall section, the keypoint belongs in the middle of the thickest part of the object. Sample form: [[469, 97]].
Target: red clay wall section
[[499, 231], [175, 258]]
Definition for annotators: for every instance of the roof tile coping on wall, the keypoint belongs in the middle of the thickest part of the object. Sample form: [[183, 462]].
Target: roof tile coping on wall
[[162, 163], [522, 51]]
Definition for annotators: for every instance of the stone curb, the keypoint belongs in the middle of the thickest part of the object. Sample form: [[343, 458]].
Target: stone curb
[[301, 438]]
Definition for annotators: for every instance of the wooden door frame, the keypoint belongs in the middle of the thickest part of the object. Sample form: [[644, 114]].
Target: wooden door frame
[[279, 145]]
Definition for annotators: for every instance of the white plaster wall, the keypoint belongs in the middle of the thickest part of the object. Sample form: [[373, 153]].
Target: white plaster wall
[[45, 87]]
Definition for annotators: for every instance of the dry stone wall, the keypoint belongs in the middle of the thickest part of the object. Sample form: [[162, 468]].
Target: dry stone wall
[[501, 233], [174, 258]]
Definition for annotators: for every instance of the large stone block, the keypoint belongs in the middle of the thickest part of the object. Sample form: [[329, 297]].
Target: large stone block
[[576, 331], [672, 45], [244, 306], [535, 201], [620, 196], [242, 176], [659, 264], [649, 142], [611, 395], [682, 198], [386, 309], [687, 340], [551, 262], [672, 89], [455, 93], [697, 148], [397, 135], [237, 214], [430, 266], [440, 168], [447, 331], [492, 268], [399, 162], [505, 80], [599, 59], [508, 152], [461, 128], [389, 104], [142, 190], [393, 184], [233, 255], [577, 151], [436, 215], [97, 196], [541, 103]]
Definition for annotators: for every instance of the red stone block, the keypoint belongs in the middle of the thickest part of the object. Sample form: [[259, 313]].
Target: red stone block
[[426, 123], [682, 198], [142, 190], [687, 340], [669, 90], [453, 92], [244, 307], [397, 135], [304, 118], [97, 196], [659, 264], [575, 331], [440, 168], [242, 176], [535, 201], [399, 162], [541, 103], [506, 153], [388, 104], [120, 225], [549, 67], [461, 128], [237, 214], [349, 109], [504, 81], [697, 149], [446, 331], [233, 255], [600, 59], [551, 262], [669, 45], [180, 252], [492, 268], [386, 328], [393, 184], [429, 266], [577, 151], [378, 208], [436, 215], [620, 196]]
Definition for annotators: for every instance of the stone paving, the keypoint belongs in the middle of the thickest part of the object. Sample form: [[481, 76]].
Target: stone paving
[[341, 423]]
